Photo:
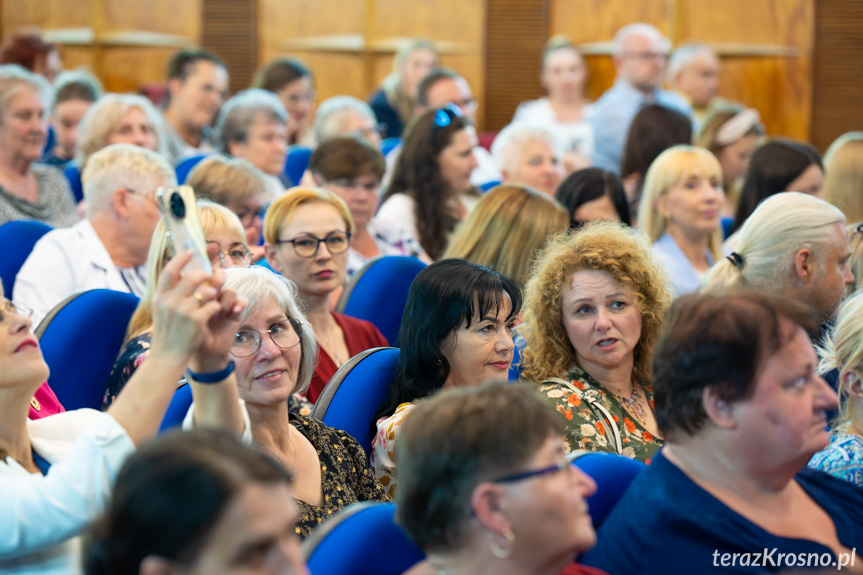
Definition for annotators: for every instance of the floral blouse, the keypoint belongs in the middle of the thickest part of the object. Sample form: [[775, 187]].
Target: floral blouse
[[586, 425], [345, 474], [383, 458], [843, 458]]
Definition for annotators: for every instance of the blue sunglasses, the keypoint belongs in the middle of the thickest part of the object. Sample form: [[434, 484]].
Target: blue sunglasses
[[443, 117]]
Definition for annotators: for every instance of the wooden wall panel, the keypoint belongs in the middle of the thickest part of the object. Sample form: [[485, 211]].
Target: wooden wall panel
[[229, 28]]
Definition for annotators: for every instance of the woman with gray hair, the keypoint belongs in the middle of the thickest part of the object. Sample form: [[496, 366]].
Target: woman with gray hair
[[529, 155], [274, 352], [28, 191], [346, 116]]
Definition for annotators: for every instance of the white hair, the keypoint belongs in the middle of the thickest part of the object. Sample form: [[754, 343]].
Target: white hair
[[780, 226], [331, 112], [13, 76], [123, 166], [684, 56], [637, 29], [239, 112], [98, 123], [509, 144], [258, 285]]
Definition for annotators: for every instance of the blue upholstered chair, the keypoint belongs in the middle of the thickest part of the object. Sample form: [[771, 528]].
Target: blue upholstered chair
[[353, 395], [185, 167], [388, 145], [80, 339], [361, 539], [612, 473], [17, 239], [73, 174], [177, 409], [489, 185], [296, 163], [378, 292]]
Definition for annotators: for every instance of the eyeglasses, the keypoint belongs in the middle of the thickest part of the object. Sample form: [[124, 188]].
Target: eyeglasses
[[284, 334], [646, 55], [445, 116], [145, 195], [15, 309], [368, 131], [370, 186], [238, 255], [306, 246], [301, 98], [563, 464]]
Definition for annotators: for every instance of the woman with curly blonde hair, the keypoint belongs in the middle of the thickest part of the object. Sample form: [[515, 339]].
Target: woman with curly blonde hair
[[592, 315]]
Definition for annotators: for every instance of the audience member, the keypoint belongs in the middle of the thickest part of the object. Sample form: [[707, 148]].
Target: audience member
[[566, 110], [197, 87], [293, 82], [742, 410], [192, 502], [74, 93], [731, 133], [431, 189], [653, 130], [488, 487], [120, 119], [793, 245], [353, 169], [224, 235], [640, 53], [27, 49], [108, 249], [507, 229], [843, 351], [240, 187], [308, 232], [681, 214], [855, 262], [331, 469], [252, 125], [693, 72], [455, 332], [56, 473], [778, 165], [530, 155], [346, 116], [394, 103], [593, 194], [593, 310], [28, 191], [843, 179]]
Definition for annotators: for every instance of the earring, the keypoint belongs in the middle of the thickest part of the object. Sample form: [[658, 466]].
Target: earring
[[505, 550]]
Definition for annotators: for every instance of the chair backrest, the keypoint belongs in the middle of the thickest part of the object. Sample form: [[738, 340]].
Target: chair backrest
[[388, 145], [353, 395], [80, 339], [612, 473], [177, 409], [361, 539], [17, 239], [296, 163], [489, 185], [185, 167], [378, 292], [73, 174]]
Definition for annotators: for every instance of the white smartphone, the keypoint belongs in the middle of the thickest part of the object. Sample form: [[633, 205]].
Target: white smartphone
[[184, 228]]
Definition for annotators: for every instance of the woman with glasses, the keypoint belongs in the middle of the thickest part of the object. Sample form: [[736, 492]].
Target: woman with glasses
[[226, 246], [308, 233], [431, 190], [275, 354], [352, 169], [487, 485]]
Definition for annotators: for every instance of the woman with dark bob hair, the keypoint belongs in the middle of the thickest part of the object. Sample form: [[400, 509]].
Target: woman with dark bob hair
[[455, 332], [487, 486], [742, 410], [593, 194], [190, 502], [431, 191], [593, 311]]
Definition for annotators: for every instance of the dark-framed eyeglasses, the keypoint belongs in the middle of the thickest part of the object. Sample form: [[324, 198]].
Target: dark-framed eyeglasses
[[14, 308], [445, 116], [285, 335], [237, 255], [560, 466], [307, 245], [858, 230]]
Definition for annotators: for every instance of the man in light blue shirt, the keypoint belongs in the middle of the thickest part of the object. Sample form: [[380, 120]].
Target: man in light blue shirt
[[640, 55]]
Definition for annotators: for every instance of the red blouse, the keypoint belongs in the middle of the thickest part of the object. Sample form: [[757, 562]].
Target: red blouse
[[360, 335]]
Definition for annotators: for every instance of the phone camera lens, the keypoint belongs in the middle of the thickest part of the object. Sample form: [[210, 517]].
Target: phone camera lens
[[178, 206]]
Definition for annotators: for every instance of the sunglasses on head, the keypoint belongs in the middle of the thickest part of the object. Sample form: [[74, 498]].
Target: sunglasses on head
[[443, 117]]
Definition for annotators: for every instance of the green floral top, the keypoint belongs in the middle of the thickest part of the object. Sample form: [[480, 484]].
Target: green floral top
[[587, 427]]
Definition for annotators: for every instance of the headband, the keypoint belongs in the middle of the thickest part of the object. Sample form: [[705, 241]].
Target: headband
[[737, 126]]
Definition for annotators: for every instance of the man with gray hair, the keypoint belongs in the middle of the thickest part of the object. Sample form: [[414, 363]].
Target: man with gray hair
[[108, 249], [346, 116], [693, 72], [640, 54]]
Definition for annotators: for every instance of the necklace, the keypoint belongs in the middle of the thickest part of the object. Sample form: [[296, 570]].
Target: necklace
[[633, 404]]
